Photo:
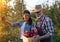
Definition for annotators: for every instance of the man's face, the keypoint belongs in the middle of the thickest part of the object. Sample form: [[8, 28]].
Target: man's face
[[38, 13]]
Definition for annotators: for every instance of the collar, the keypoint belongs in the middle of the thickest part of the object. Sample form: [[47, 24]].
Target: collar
[[40, 17]]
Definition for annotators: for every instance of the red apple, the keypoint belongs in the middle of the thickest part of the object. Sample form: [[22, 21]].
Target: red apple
[[26, 33]]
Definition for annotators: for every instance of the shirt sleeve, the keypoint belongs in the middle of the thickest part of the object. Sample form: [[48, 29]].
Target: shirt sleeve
[[15, 23], [18, 23], [50, 27]]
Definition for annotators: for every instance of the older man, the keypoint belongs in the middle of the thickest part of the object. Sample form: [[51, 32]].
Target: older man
[[44, 25]]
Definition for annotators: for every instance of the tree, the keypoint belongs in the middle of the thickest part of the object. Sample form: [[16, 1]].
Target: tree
[[7, 32], [54, 13], [18, 9]]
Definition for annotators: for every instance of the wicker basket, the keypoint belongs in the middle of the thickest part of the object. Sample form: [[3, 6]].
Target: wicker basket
[[31, 39]]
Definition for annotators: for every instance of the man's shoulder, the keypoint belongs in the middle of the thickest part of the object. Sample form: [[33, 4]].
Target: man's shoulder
[[48, 18]]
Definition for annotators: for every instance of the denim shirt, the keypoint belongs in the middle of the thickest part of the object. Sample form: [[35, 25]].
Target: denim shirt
[[20, 23]]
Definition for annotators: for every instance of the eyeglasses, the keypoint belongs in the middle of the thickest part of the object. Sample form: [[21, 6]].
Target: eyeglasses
[[37, 12]]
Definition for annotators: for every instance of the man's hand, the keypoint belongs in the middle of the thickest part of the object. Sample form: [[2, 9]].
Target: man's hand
[[36, 38], [44, 36]]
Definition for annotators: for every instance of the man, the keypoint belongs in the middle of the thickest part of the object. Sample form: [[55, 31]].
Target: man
[[44, 25]]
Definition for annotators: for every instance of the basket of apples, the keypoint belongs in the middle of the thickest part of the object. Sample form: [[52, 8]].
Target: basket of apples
[[28, 35]]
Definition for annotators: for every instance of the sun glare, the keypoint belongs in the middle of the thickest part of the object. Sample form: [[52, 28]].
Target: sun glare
[[0, 5], [11, 3], [0, 0]]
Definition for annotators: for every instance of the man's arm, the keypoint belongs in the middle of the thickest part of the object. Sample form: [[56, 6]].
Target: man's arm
[[44, 36]]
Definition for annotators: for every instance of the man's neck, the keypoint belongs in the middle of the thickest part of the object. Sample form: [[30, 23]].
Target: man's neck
[[40, 16]]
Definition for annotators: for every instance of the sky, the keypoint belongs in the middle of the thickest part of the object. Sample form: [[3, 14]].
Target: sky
[[30, 4]]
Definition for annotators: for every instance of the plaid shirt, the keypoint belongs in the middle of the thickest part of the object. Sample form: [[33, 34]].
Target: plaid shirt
[[46, 24]]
